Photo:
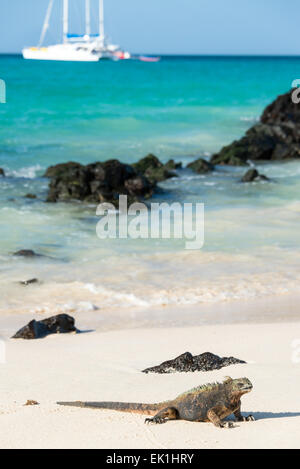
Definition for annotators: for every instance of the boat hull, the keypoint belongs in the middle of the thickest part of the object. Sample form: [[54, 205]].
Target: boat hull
[[59, 53]]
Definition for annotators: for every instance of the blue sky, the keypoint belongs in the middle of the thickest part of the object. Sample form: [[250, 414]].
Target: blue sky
[[168, 26]]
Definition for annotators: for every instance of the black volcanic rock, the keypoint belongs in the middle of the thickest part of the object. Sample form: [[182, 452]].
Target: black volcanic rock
[[26, 253], [60, 324], [201, 166], [282, 111], [275, 137], [173, 165], [154, 170], [187, 362], [29, 282], [253, 175], [61, 169], [2, 173], [97, 182]]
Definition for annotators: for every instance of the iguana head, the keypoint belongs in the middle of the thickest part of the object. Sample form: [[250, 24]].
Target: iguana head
[[239, 386]]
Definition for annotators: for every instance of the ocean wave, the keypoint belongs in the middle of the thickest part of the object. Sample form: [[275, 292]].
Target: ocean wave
[[116, 298], [131, 286], [28, 172], [249, 119]]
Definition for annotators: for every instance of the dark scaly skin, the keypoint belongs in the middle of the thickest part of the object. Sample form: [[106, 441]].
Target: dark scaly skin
[[209, 403]]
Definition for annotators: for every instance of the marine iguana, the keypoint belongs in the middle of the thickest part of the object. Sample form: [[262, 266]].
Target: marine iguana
[[209, 403]]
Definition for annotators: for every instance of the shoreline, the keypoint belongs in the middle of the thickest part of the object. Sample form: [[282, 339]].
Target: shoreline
[[106, 366], [267, 310]]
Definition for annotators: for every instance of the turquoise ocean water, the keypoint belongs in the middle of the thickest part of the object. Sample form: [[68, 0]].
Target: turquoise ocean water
[[180, 108]]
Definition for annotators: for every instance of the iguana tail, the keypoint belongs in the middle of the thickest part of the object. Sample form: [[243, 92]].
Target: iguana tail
[[149, 409]]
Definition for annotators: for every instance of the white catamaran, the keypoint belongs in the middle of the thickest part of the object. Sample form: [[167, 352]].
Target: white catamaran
[[76, 47]]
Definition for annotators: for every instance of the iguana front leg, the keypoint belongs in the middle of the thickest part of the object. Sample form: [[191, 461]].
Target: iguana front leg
[[169, 413], [240, 418], [215, 419]]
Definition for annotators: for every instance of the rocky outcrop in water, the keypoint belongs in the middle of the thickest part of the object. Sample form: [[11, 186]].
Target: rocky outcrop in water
[[2, 173], [97, 182], [276, 137], [172, 165], [201, 166], [187, 362], [60, 324], [154, 170], [105, 181], [252, 175]]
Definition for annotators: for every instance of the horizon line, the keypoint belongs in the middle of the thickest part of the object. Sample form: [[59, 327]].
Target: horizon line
[[19, 54]]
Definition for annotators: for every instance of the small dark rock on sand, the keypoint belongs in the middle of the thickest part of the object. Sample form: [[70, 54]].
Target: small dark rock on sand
[[60, 324], [29, 282], [31, 402], [253, 175], [187, 362]]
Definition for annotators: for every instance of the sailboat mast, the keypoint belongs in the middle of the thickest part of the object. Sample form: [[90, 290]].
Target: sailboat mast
[[66, 20], [46, 23], [88, 18], [101, 21]]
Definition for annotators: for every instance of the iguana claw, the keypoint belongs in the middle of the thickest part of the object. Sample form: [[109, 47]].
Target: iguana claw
[[227, 425], [156, 420]]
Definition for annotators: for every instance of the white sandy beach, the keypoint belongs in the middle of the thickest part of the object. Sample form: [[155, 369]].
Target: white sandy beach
[[106, 366]]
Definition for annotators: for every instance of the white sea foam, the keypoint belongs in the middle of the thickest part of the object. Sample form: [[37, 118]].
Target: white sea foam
[[249, 119], [28, 172]]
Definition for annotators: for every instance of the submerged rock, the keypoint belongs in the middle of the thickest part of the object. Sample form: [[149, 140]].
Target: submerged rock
[[187, 362], [2, 173], [26, 253], [253, 175], [97, 182], [275, 137], [201, 166], [60, 324], [30, 196], [155, 170]]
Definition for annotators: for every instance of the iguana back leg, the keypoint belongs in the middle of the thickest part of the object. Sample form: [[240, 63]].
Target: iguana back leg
[[215, 419], [240, 418], [169, 413]]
